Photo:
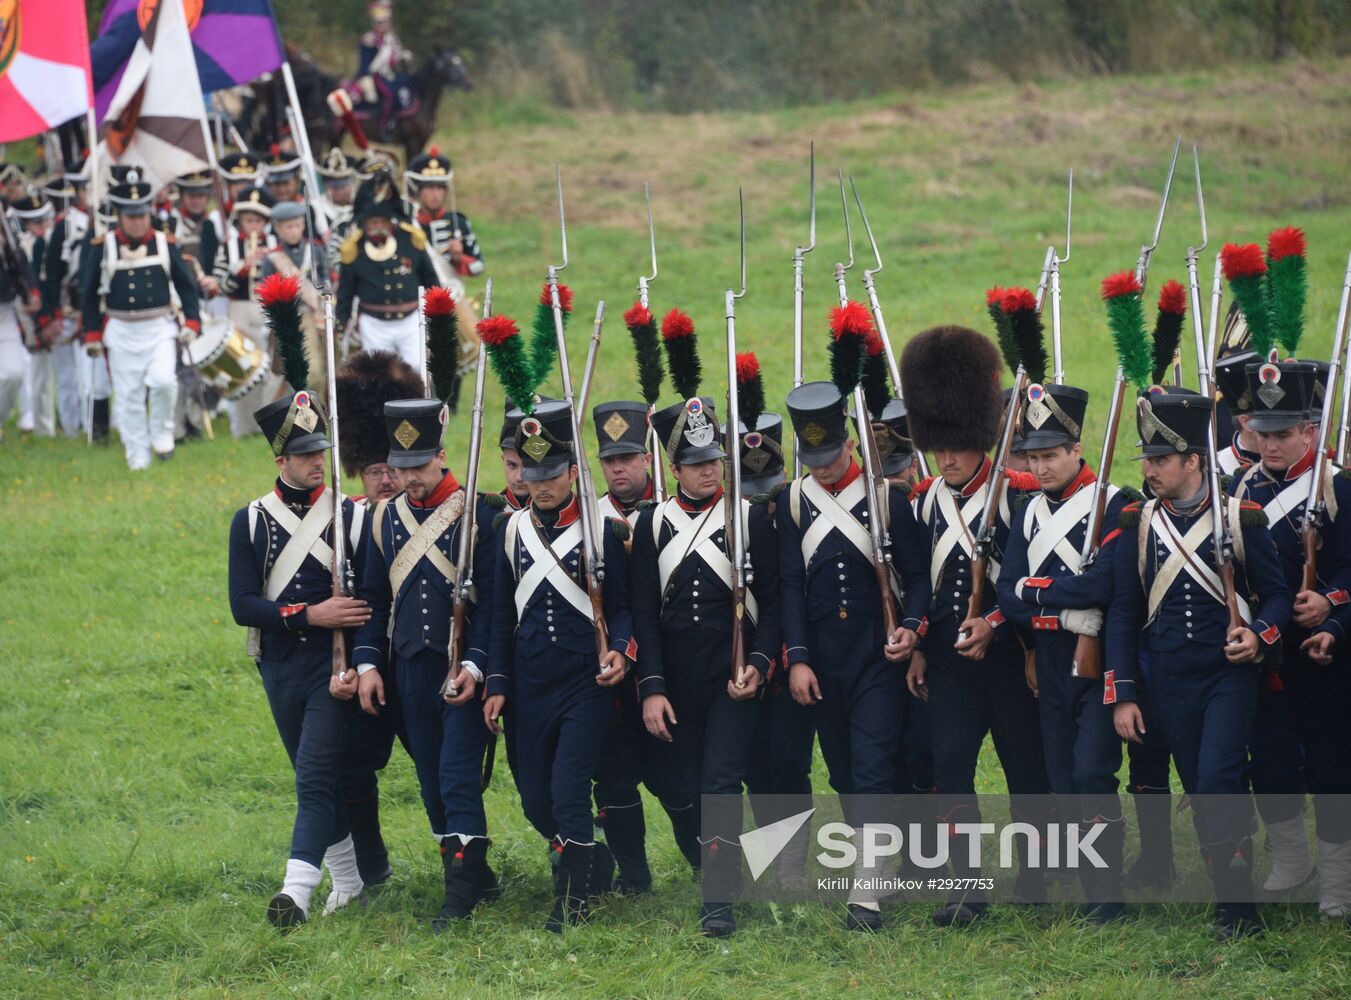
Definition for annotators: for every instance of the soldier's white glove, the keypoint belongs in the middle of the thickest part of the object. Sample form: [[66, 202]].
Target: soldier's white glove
[[1082, 621]]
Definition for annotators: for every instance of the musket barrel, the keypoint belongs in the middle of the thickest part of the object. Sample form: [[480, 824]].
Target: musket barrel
[[1346, 370], [1057, 359]]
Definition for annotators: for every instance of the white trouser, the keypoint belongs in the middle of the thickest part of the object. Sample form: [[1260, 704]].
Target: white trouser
[[142, 357], [12, 360], [397, 335], [248, 317], [69, 399], [94, 377], [42, 376], [26, 392]]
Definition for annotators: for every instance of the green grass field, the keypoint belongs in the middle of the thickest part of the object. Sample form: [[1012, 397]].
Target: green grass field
[[145, 800]]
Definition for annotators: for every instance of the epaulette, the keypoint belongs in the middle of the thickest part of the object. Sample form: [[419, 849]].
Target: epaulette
[[494, 500], [621, 528], [347, 253], [644, 504], [1132, 495], [775, 490], [1251, 515], [1021, 500], [923, 485], [502, 518], [1130, 515], [1022, 480], [759, 499], [415, 233], [1345, 474], [1226, 481]]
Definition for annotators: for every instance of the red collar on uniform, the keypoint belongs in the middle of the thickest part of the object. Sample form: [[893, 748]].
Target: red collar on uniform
[[1085, 477], [702, 505], [853, 473], [425, 216], [1300, 467], [978, 480], [649, 491], [127, 241], [438, 496], [569, 513], [314, 496], [513, 501]]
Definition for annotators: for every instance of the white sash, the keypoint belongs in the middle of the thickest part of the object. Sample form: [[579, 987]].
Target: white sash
[[1182, 558], [695, 535], [957, 529], [1297, 493], [1052, 530], [547, 563], [835, 513], [306, 540], [607, 508], [422, 542]]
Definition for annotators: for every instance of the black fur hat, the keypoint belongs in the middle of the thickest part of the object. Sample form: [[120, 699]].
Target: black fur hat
[[366, 381], [950, 381]]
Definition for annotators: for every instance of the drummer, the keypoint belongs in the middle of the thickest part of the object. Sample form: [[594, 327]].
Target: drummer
[[297, 252], [237, 273]]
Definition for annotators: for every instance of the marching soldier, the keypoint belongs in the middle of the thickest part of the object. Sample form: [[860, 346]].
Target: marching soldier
[[631, 755], [1044, 587], [448, 231], [127, 307], [517, 492], [895, 448], [16, 309], [683, 617], [1239, 451], [1296, 727], [238, 262], [408, 582], [338, 177], [281, 589], [35, 214], [194, 228], [543, 658], [60, 295], [1203, 678], [841, 662], [298, 253], [971, 668], [383, 263], [240, 171]]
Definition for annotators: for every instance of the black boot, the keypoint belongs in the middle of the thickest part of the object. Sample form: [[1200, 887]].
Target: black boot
[[685, 829], [1102, 886], [468, 880], [363, 816], [100, 425], [1230, 868], [578, 871], [1153, 869], [721, 872], [626, 834], [558, 915]]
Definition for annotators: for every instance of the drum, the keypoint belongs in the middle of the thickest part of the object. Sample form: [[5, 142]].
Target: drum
[[228, 360]]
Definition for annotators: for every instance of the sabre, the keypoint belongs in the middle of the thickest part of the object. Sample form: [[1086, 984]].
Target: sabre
[[593, 551], [464, 560], [644, 282], [878, 529], [798, 255], [876, 306], [736, 525]]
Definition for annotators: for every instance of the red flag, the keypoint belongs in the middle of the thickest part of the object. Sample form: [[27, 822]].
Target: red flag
[[44, 66]]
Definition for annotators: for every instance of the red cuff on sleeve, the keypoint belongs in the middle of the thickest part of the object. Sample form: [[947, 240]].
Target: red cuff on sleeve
[[1046, 623], [1109, 687], [292, 609], [1037, 582], [631, 650], [1270, 635], [995, 618], [923, 626], [1338, 597]]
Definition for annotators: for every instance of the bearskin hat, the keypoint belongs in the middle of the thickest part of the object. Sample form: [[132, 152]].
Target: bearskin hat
[[950, 381], [366, 381]]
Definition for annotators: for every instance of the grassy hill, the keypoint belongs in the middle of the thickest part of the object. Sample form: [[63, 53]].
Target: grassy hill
[[145, 801]]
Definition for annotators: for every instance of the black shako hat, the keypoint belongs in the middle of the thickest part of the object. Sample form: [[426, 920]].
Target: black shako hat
[[293, 425], [761, 455], [689, 431], [621, 427], [1173, 423], [415, 427], [1282, 392], [1052, 415], [895, 449], [817, 411], [545, 440]]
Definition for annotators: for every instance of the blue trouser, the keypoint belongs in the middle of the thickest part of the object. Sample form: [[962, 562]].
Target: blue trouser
[[561, 718], [780, 758], [915, 765], [632, 755], [1275, 755], [1206, 706], [315, 728], [447, 744], [1079, 739]]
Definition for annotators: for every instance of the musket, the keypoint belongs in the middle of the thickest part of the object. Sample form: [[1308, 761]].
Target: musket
[[310, 181], [876, 306], [732, 502], [423, 370], [1317, 503], [342, 567], [592, 353], [798, 255], [1087, 660], [644, 282], [1216, 297], [593, 548], [878, 529], [464, 560]]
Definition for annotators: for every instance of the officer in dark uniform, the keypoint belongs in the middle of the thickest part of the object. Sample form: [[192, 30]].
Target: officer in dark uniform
[[841, 662], [971, 667], [383, 263], [1293, 745], [1202, 675], [411, 569], [449, 233], [1044, 586], [281, 588], [683, 616], [631, 754], [543, 658]]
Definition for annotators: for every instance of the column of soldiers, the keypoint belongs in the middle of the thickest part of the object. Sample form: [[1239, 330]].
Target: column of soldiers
[[76, 307]]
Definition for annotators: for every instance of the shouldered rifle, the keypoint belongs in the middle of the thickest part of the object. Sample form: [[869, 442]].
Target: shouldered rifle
[[592, 352], [644, 281], [876, 487], [593, 548], [343, 582], [994, 494], [464, 560], [1317, 503], [798, 255], [732, 506], [1342, 434]]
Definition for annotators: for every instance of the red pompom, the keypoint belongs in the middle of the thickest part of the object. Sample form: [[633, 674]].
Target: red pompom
[[433, 151], [638, 315], [874, 345], [497, 330], [278, 288], [995, 295], [1116, 285], [1173, 298], [564, 297], [747, 366], [851, 320], [438, 302], [1287, 242], [1242, 260], [676, 323], [1017, 300]]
